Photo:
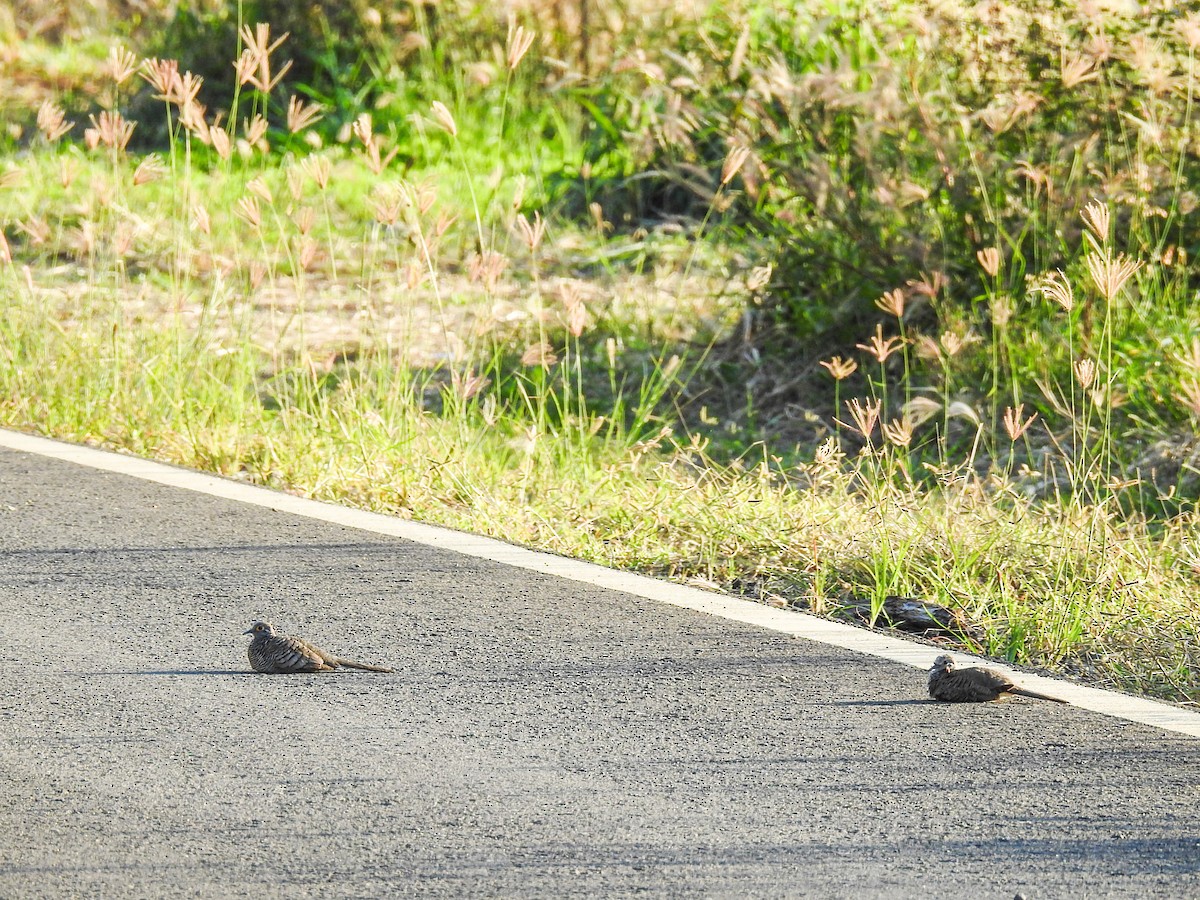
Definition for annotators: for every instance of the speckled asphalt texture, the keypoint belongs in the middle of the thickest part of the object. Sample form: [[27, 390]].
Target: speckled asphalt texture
[[540, 739]]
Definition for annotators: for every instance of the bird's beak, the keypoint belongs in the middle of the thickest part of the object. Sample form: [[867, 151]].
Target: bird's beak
[[248, 631]]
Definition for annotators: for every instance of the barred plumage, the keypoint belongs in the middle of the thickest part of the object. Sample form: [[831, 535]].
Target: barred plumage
[[973, 685], [274, 653]]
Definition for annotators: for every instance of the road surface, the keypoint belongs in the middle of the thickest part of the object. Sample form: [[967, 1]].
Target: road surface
[[541, 738]]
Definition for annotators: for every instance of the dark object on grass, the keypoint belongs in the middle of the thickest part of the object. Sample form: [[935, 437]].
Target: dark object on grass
[[913, 615]]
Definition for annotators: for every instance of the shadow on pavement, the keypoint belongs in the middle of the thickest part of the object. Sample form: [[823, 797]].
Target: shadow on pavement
[[881, 702]]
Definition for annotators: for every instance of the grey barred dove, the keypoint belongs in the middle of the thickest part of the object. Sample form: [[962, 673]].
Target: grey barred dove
[[274, 653], [974, 685]]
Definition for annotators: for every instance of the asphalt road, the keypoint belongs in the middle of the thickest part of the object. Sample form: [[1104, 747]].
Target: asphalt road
[[541, 738]]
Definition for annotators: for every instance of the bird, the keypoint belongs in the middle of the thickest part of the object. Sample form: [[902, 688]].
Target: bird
[[973, 685], [275, 653]]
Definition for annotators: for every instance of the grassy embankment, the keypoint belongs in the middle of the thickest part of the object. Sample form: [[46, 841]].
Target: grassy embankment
[[446, 343]]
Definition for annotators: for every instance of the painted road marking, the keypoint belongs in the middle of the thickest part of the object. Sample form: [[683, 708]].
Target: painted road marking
[[801, 625]]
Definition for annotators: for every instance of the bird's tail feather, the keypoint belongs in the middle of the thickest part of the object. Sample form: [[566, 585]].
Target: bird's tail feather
[[349, 664], [1025, 692]]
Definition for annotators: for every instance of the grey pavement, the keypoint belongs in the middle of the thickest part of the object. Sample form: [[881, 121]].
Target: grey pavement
[[541, 738]]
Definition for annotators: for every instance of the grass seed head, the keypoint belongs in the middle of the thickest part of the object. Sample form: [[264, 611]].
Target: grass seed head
[[1057, 287], [52, 121], [1014, 425], [1109, 274], [865, 414], [301, 115], [150, 169], [112, 130], [518, 43], [121, 64], [892, 302], [1085, 372], [879, 348], [444, 119], [898, 432], [840, 368], [989, 259]]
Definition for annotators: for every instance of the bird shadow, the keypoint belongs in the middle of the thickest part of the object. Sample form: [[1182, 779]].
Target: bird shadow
[[880, 702], [178, 672]]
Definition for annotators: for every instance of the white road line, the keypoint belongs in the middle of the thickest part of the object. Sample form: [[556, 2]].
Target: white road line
[[801, 625]]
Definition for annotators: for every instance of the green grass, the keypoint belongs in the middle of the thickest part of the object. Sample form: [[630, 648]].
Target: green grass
[[408, 341]]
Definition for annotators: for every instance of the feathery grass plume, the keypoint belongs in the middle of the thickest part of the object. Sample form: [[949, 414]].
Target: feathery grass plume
[[597, 211], [840, 368], [1013, 423], [112, 130], [254, 65], [51, 121], [1189, 29], [441, 115], [184, 90], [1096, 217], [892, 302], [318, 168], [304, 219], [258, 271], [576, 319], [160, 74], [928, 349], [989, 259], [734, 160], [308, 253], [122, 239], [486, 268], [920, 410], [390, 204], [36, 229], [150, 169], [68, 168], [201, 219], [254, 130], [466, 385], [1085, 372], [879, 348], [532, 233], [121, 64], [1057, 287], [300, 115], [898, 432], [865, 414], [1077, 68], [83, 239], [5, 252], [258, 186], [1189, 395], [191, 117], [826, 451], [371, 143], [221, 142], [518, 43], [1002, 310], [928, 285], [248, 210], [1109, 274], [540, 354], [953, 342]]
